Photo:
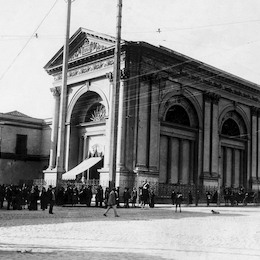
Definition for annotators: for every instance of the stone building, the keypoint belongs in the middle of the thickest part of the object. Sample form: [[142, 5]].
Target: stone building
[[180, 121], [25, 147]]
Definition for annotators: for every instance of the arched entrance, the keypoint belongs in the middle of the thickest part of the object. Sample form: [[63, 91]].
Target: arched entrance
[[233, 143], [179, 142], [87, 135]]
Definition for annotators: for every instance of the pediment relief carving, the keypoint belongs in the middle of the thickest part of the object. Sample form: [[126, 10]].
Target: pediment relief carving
[[88, 46]]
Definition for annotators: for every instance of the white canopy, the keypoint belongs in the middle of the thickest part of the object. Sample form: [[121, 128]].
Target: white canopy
[[83, 166]]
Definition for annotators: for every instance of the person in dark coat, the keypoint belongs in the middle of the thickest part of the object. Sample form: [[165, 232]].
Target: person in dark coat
[[152, 197], [190, 198], [44, 199], [145, 193], [99, 196], [173, 197], [197, 197], [8, 196], [112, 202], [208, 197], [19, 198], [178, 200], [89, 195], [118, 197], [60, 196], [106, 197], [2, 196], [126, 197], [134, 197], [51, 199], [33, 197]]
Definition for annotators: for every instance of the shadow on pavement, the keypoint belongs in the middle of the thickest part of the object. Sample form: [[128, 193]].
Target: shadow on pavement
[[68, 255], [82, 214]]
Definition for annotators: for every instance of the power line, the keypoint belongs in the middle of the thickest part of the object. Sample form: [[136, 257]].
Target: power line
[[33, 35]]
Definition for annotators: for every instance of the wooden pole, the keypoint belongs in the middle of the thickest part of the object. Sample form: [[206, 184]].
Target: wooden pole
[[60, 162], [114, 100]]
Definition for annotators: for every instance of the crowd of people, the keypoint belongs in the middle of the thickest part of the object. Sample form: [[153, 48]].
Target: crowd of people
[[229, 196], [22, 197], [34, 198]]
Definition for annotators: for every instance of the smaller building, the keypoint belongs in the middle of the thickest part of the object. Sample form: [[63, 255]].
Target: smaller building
[[24, 148]]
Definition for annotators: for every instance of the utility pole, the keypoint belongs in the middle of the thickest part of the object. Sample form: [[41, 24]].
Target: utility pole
[[114, 100], [60, 162]]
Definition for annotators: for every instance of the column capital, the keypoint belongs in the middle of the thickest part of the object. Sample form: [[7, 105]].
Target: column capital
[[152, 77], [56, 91], [211, 97], [109, 76], [254, 110], [124, 74]]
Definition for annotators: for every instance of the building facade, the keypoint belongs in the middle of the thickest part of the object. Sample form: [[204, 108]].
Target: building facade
[[180, 121], [25, 147]]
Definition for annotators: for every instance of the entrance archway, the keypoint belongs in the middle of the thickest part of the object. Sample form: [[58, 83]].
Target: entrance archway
[[87, 132], [233, 140], [179, 142]]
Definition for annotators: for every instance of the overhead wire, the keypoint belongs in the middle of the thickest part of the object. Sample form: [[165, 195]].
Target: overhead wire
[[33, 35]]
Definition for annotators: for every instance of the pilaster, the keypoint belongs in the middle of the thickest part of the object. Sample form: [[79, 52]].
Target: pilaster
[[55, 122], [142, 135], [154, 124], [254, 145], [206, 136]]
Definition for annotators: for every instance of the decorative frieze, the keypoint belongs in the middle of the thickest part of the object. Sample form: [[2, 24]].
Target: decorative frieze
[[89, 68]]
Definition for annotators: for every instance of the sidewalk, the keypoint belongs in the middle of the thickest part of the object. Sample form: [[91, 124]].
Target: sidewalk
[[157, 233]]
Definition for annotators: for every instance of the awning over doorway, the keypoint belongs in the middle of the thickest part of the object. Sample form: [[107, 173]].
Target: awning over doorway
[[83, 166]]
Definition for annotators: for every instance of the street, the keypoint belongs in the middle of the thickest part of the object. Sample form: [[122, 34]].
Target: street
[[155, 233]]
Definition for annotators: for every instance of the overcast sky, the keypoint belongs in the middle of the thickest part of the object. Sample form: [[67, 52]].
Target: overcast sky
[[221, 33]]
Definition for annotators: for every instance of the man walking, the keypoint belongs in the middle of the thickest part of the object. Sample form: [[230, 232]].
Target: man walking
[[111, 204]]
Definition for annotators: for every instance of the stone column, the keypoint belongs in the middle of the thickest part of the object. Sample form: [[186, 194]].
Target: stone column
[[142, 140], [81, 138], [254, 144], [207, 134], [180, 161], [258, 146], [108, 123], [215, 136], [224, 165], [233, 168], [55, 122], [191, 159], [85, 147], [154, 125]]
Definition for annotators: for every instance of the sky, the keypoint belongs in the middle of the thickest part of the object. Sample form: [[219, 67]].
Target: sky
[[224, 34]]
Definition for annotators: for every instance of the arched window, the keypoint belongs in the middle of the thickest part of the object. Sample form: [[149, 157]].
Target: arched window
[[177, 115], [230, 128], [96, 113]]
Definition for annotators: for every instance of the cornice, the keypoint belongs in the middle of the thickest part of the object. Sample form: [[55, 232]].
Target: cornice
[[227, 88]]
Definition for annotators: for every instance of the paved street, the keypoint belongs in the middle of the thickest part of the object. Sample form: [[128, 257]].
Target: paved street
[[158, 233]]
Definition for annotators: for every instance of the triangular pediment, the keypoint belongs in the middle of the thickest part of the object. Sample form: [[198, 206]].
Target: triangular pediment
[[82, 44]]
